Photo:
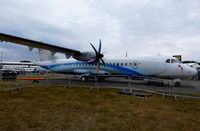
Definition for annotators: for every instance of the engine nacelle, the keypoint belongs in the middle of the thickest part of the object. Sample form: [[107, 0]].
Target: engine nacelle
[[85, 56]]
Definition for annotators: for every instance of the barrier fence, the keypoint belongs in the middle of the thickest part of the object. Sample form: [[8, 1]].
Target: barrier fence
[[69, 81]]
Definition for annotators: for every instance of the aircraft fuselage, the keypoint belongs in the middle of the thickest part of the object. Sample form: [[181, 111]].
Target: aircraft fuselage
[[150, 68]]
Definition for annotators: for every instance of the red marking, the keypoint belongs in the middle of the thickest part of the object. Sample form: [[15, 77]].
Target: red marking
[[181, 68]]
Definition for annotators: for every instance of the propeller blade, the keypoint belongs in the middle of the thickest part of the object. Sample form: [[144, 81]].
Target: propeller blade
[[94, 49], [98, 57], [98, 64], [99, 51], [103, 62]]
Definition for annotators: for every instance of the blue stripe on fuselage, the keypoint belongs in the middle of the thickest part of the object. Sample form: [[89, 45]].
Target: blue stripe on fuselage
[[56, 65], [119, 68]]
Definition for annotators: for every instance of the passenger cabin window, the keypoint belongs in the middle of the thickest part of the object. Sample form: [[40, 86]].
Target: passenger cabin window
[[121, 64], [125, 64], [117, 64]]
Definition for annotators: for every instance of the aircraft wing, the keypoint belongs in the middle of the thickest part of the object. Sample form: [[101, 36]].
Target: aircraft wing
[[36, 44]]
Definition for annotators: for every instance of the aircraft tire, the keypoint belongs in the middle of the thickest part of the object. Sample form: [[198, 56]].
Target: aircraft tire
[[101, 79], [177, 84], [83, 78]]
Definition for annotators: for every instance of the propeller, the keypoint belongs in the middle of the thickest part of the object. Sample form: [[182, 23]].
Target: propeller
[[98, 56]]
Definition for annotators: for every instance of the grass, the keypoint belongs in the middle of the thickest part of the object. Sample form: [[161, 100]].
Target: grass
[[19, 83], [58, 108]]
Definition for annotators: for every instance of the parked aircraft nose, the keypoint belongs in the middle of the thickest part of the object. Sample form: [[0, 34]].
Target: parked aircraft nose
[[192, 72]]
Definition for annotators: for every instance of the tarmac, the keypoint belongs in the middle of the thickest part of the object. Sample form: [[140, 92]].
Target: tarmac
[[187, 86]]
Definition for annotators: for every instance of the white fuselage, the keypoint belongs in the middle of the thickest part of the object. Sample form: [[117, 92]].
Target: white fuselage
[[151, 67]]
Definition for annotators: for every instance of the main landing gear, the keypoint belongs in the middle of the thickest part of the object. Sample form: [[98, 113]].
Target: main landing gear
[[85, 78]]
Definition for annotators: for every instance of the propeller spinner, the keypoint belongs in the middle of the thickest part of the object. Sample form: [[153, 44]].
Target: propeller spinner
[[98, 57]]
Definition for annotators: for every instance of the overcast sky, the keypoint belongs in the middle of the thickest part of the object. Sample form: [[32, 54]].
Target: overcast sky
[[142, 28]]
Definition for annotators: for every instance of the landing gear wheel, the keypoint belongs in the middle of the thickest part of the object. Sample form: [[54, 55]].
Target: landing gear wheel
[[101, 79], [83, 79], [177, 84]]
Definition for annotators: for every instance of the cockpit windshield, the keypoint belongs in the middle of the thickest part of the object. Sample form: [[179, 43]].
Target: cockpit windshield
[[173, 61], [168, 61]]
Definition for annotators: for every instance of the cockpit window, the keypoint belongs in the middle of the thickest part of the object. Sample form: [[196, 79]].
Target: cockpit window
[[168, 61], [178, 61], [173, 61]]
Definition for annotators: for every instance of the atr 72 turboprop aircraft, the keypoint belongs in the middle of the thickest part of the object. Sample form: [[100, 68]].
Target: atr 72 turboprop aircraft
[[88, 63]]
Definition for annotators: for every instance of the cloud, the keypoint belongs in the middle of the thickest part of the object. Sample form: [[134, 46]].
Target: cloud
[[142, 28]]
